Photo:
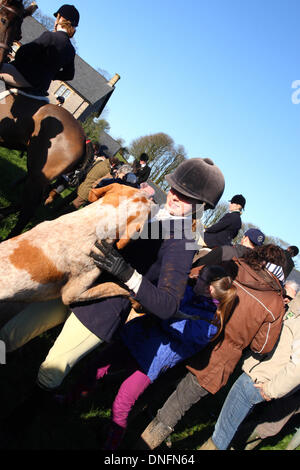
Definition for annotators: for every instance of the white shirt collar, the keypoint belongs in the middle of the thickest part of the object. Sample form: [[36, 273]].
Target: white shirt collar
[[163, 214], [60, 28]]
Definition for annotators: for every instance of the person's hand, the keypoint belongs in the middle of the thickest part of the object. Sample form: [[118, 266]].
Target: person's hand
[[111, 261], [262, 392]]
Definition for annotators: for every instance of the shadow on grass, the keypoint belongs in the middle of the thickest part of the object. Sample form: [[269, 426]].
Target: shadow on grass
[[13, 171]]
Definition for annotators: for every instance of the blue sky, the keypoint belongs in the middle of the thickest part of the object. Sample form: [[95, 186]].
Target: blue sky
[[216, 75]]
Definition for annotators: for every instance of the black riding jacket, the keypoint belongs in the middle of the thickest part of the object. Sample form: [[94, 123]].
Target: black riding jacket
[[49, 57]]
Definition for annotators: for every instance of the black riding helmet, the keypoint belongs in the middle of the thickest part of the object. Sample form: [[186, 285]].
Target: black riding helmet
[[200, 179], [70, 13]]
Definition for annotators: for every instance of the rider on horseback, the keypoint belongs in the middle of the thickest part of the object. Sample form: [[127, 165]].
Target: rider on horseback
[[49, 57]]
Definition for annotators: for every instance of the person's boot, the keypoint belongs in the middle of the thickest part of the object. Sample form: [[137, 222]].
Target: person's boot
[[253, 441], [251, 445], [154, 434], [208, 445], [52, 195]]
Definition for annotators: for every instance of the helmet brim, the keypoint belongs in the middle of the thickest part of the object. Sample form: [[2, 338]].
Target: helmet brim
[[181, 189]]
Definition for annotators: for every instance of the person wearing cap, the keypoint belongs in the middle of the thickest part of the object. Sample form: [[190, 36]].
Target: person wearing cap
[[251, 238], [227, 228], [143, 171], [60, 100], [124, 175], [154, 267], [49, 57]]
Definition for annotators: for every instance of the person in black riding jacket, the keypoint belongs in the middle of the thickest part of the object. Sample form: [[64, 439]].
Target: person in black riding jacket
[[226, 229], [49, 57]]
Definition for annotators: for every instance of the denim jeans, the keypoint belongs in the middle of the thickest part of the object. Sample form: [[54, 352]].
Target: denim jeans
[[239, 401]]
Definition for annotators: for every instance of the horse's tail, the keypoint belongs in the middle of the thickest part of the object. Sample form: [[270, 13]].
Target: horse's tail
[[83, 165], [86, 160]]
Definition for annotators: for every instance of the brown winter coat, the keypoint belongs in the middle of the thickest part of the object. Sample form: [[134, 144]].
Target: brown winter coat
[[256, 321]]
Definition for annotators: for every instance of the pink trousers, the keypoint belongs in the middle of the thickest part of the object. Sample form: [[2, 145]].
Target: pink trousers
[[117, 357]]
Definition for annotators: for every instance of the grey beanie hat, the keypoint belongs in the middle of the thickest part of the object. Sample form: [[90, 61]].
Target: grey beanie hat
[[200, 179]]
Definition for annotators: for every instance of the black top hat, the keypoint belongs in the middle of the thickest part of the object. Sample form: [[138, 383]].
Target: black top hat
[[60, 99], [144, 157], [70, 13], [238, 199]]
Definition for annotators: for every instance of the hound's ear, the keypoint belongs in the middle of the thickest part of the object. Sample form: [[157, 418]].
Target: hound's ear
[[131, 229], [30, 10], [97, 193]]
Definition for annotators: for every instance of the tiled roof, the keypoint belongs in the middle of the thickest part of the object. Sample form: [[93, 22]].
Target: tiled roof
[[108, 144]]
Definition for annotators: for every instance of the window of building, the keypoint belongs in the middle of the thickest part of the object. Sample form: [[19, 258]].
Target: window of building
[[64, 91]]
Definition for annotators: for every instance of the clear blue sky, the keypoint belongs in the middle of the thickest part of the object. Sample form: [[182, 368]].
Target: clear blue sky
[[216, 75]]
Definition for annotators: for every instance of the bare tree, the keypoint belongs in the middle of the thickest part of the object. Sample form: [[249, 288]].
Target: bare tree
[[212, 216], [45, 20], [164, 155]]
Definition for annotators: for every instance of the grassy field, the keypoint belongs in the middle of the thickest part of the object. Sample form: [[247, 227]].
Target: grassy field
[[84, 425]]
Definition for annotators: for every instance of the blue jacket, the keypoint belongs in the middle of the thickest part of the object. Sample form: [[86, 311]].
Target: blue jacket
[[162, 345]]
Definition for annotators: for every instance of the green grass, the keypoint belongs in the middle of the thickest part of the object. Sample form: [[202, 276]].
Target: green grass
[[84, 425]]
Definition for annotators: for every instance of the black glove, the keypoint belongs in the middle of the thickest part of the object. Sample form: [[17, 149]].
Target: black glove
[[111, 261]]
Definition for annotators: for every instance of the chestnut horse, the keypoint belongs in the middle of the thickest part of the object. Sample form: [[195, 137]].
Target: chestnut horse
[[53, 138]]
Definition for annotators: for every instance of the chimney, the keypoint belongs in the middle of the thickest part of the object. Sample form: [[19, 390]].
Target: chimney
[[114, 80], [33, 6]]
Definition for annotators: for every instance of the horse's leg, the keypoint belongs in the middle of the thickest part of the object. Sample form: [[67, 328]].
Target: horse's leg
[[32, 196]]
